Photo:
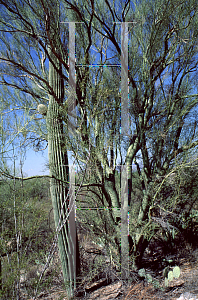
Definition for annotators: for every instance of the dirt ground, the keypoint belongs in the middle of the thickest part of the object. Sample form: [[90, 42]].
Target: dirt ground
[[107, 284]]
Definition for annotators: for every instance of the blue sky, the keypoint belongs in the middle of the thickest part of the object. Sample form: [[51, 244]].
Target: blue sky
[[35, 163]]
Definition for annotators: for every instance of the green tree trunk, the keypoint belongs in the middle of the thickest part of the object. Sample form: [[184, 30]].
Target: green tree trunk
[[140, 242]]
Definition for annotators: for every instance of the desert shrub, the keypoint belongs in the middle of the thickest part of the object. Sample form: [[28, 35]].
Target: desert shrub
[[25, 235], [37, 188], [176, 207]]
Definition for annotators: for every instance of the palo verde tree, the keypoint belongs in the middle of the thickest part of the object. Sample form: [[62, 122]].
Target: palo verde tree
[[162, 100]]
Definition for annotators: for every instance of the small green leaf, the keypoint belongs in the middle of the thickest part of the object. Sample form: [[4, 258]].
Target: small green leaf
[[170, 275], [173, 233], [156, 284], [176, 272], [166, 282], [142, 272], [37, 261], [149, 278]]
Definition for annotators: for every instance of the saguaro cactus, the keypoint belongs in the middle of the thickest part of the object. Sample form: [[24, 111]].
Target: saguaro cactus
[[59, 171]]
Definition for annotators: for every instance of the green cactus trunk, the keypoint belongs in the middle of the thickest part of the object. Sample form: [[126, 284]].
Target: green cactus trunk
[[59, 187]]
